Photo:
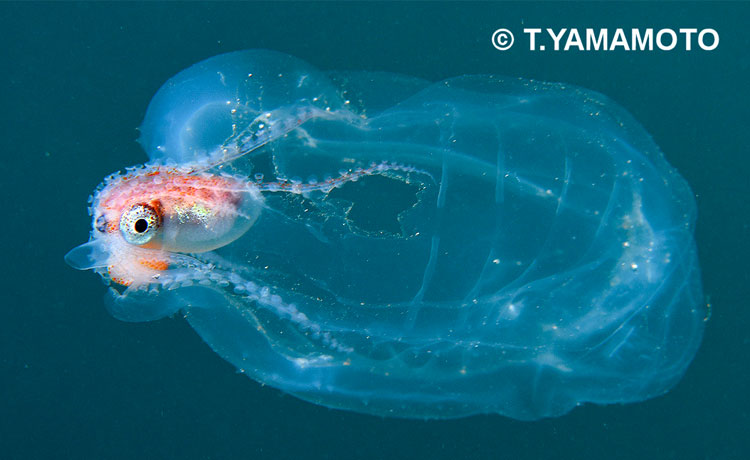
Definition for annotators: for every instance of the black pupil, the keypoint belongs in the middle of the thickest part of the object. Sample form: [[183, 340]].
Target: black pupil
[[141, 225]]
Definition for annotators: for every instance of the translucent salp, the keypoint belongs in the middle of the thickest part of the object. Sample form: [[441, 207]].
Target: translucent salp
[[535, 252]]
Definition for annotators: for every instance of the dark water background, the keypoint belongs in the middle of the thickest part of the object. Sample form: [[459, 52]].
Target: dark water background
[[76, 81]]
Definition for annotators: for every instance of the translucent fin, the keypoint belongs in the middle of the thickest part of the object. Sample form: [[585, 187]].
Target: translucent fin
[[88, 256]]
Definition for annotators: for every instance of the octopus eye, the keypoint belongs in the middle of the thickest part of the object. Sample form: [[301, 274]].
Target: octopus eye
[[139, 224], [101, 223]]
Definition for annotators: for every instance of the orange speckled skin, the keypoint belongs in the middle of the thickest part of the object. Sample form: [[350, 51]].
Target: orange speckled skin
[[165, 189]]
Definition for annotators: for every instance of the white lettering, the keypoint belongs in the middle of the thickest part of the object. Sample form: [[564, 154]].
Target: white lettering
[[574, 40], [619, 40], [702, 42], [639, 42], [599, 41], [688, 40], [556, 38], [532, 37], [660, 41]]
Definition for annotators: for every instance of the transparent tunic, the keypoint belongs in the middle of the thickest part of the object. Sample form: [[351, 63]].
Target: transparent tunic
[[378, 243]]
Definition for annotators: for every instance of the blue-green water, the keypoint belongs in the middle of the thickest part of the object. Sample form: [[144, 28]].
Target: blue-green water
[[78, 77]]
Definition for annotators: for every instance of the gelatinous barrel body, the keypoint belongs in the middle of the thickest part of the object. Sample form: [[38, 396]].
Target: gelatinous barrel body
[[536, 251]]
